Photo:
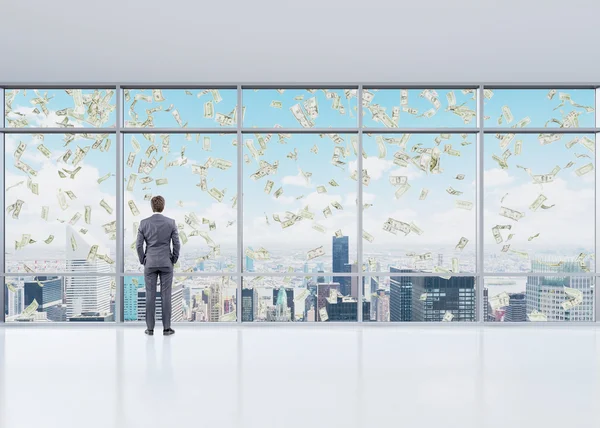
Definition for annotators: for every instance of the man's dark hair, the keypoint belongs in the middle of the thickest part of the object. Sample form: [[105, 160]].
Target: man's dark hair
[[158, 204]]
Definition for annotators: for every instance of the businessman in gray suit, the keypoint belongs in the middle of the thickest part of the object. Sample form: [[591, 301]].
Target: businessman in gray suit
[[158, 232]]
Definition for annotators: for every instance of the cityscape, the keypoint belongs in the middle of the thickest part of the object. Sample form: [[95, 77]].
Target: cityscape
[[390, 294]]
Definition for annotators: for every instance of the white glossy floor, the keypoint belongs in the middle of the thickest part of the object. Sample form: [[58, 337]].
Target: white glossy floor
[[308, 376]]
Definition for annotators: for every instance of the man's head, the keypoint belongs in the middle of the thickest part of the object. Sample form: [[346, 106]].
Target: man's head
[[158, 204]]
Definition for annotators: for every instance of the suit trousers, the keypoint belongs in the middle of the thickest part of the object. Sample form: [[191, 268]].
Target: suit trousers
[[151, 274]]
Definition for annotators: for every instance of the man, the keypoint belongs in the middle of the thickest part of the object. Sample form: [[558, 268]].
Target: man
[[158, 231]]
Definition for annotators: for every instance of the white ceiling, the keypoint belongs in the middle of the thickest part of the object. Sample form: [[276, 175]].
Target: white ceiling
[[299, 41]]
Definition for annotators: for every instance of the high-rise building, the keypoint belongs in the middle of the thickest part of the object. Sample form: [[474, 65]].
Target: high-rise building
[[249, 263], [455, 295], [14, 298], [176, 304], [344, 308], [214, 302], [131, 296], [85, 293], [401, 290], [47, 292], [516, 311], [283, 299], [340, 260], [544, 290], [486, 305], [382, 303], [247, 304], [323, 293]]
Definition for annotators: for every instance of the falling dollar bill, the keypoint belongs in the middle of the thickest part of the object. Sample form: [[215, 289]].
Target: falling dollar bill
[[133, 208], [423, 194], [31, 308], [162, 181], [317, 252], [536, 316], [49, 239], [104, 178], [44, 150], [105, 205], [448, 317], [584, 169], [537, 203], [278, 192], [499, 301], [75, 219], [511, 214], [333, 183], [45, 210], [73, 242], [366, 235], [461, 244], [276, 104], [338, 233], [464, 205], [321, 189], [92, 253], [216, 193], [402, 189]]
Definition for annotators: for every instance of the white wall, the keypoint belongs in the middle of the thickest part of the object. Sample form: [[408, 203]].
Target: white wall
[[299, 41]]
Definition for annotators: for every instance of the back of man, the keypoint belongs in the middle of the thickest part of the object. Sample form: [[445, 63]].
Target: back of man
[[158, 232]]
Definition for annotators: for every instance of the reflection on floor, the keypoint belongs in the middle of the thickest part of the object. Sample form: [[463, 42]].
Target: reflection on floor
[[302, 376]]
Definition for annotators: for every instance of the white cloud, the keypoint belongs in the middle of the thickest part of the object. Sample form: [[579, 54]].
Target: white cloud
[[497, 177], [374, 166], [295, 180]]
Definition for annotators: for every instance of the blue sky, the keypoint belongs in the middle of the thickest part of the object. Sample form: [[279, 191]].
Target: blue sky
[[568, 226]]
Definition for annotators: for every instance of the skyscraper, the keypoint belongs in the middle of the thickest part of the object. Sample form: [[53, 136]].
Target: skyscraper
[[401, 290], [249, 263], [339, 262], [516, 311], [545, 290], [85, 293], [323, 292], [455, 295], [247, 304], [131, 296], [214, 302], [47, 291], [283, 299], [345, 308], [382, 311], [176, 304]]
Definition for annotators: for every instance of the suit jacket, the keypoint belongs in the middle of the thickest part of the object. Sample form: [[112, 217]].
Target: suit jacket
[[158, 231]]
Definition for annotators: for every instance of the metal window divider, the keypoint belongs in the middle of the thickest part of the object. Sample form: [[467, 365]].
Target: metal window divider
[[120, 263], [240, 207], [479, 280], [596, 304], [2, 214], [359, 226]]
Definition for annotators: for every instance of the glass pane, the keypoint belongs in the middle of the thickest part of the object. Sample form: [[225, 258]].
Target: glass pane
[[42, 298], [197, 176], [193, 298], [60, 203], [60, 108], [552, 108], [300, 299], [300, 202], [419, 202], [300, 108], [179, 108], [539, 202], [551, 297], [419, 298], [419, 108]]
